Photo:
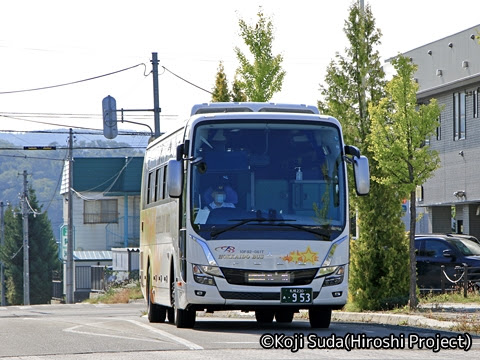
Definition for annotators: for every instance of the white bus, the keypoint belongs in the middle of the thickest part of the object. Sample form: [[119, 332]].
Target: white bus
[[245, 207]]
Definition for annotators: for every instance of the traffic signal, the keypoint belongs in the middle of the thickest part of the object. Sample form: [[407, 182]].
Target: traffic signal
[[109, 107]]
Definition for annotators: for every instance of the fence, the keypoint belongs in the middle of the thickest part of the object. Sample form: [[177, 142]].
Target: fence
[[57, 286], [467, 278]]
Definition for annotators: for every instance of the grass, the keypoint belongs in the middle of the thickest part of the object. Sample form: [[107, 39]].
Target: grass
[[118, 294], [465, 321], [454, 297]]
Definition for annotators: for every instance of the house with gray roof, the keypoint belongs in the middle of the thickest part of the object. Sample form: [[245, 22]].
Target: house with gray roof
[[105, 213]]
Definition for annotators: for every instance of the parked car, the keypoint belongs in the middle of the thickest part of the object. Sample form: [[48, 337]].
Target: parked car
[[435, 250], [465, 236]]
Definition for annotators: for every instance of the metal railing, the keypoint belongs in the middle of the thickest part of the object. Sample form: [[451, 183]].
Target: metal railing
[[466, 278]]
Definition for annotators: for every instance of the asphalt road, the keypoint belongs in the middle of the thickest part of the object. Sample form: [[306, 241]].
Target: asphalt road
[[85, 331]]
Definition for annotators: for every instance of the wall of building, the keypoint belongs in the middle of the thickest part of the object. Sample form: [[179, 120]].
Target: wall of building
[[445, 67], [441, 219], [93, 236]]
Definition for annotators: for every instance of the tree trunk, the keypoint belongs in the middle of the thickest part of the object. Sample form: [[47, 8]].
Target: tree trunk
[[413, 261]]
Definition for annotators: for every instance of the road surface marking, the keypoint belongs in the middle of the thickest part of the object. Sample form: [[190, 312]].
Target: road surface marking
[[177, 339]]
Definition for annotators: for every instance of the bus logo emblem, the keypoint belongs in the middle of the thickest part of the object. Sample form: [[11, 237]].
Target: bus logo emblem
[[226, 249]]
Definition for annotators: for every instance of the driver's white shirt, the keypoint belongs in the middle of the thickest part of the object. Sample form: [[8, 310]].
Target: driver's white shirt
[[212, 205]]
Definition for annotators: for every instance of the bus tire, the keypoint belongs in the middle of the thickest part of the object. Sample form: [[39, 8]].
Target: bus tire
[[155, 313], [171, 315], [285, 316], [185, 318], [320, 317], [264, 316], [171, 311]]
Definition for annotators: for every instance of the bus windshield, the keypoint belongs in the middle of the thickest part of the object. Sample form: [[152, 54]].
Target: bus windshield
[[275, 180]]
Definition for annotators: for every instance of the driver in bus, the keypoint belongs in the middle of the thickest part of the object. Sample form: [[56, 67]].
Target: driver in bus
[[219, 197]]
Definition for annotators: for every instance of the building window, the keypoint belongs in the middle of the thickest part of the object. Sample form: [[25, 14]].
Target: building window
[[419, 193], [475, 103], [459, 116], [100, 211], [439, 128]]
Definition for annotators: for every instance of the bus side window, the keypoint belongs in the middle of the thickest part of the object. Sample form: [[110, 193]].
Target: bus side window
[[157, 187], [164, 182], [149, 187], [161, 182], [152, 182]]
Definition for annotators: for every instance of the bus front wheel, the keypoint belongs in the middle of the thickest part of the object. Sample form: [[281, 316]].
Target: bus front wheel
[[320, 317], [264, 316], [181, 318], [185, 318], [285, 316]]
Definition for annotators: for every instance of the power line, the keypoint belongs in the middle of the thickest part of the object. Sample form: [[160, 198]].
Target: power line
[[93, 132], [188, 82], [44, 123], [30, 157], [72, 116], [69, 115], [73, 82]]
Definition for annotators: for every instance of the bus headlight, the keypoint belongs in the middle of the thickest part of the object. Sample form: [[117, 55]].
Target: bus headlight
[[335, 278], [324, 271], [204, 274]]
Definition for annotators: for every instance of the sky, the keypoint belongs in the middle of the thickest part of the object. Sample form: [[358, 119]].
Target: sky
[[53, 42]]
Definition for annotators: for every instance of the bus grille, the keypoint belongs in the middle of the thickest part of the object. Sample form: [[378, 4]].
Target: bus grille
[[269, 278], [237, 295]]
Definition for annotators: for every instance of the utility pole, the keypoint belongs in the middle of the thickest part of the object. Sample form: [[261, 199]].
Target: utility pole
[[109, 108], [156, 101], [26, 260], [2, 243], [69, 270]]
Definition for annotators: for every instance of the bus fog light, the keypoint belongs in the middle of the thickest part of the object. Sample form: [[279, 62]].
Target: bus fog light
[[200, 293], [337, 293]]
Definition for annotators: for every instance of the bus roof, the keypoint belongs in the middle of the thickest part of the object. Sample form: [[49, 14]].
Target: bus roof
[[224, 107]]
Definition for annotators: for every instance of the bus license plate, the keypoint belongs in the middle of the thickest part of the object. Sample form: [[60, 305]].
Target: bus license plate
[[296, 295]]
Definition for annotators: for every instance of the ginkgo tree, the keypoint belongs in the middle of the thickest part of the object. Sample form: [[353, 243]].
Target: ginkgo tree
[[220, 91], [400, 128], [378, 270], [262, 76]]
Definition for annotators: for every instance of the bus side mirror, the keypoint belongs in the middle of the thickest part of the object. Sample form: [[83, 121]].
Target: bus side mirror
[[175, 178], [182, 150], [361, 174]]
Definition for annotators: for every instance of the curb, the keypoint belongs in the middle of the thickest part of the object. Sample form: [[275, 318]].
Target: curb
[[393, 319]]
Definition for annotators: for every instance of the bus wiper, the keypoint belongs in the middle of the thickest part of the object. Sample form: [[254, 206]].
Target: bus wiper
[[241, 222]]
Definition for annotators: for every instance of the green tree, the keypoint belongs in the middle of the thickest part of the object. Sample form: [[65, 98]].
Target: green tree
[[262, 77], [237, 93], [379, 255], [12, 256], [399, 128], [220, 91], [43, 254]]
